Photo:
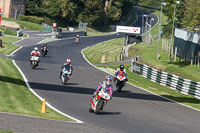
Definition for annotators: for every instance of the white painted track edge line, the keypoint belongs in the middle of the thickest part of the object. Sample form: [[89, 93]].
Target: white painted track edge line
[[27, 84], [134, 85]]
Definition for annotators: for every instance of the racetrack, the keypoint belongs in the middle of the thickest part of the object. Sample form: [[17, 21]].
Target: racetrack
[[132, 110]]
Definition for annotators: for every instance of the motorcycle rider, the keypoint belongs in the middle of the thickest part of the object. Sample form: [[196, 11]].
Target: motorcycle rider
[[105, 84], [67, 66], [77, 38], [35, 52], [42, 48], [120, 71]]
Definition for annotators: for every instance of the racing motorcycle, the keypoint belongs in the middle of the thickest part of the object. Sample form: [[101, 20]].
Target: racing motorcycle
[[120, 82], [98, 102], [44, 51], [34, 61], [65, 75], [77, 40]]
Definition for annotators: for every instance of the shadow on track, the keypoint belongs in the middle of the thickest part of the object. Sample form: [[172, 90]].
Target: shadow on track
[[109, 113], [89, 91]]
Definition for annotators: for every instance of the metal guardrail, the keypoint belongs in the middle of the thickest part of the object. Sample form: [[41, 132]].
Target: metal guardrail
[[175, 82]]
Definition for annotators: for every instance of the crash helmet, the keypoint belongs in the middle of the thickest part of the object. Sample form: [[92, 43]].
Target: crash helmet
[[68, 61], [108, 80], [36, 48], [121, 67], [77, 35]]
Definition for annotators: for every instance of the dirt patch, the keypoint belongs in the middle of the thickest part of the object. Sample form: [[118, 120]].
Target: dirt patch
[[103, 59]]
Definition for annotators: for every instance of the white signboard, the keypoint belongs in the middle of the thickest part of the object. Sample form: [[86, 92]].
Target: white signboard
[[126, 29]]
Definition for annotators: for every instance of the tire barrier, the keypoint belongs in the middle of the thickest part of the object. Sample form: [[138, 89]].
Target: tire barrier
[[175, 82]]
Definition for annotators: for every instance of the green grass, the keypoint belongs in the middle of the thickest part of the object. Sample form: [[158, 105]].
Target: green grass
[[8, 47], [8, 31], [148, 54], [3, 131], [105, 28], [132, 20], [15, 97], [93, 32], [110, 50], [25, 24]]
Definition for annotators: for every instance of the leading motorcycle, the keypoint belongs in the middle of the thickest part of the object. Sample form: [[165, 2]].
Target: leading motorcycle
[[120, 82], [98, 101], [34, 61], [65, 75]]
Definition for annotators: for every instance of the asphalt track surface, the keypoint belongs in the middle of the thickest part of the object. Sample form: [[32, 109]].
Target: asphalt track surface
[[131, 111]]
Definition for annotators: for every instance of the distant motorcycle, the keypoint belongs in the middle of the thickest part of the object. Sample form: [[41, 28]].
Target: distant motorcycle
[[65, 75], [77, 40], [120, 82], [98, 102], [34, 61], [44, 51]]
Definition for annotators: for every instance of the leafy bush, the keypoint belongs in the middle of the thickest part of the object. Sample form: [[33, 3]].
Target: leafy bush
[[33, 19]]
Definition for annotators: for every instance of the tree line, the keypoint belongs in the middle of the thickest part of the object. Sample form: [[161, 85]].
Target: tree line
[[93, 12], [105, 12]]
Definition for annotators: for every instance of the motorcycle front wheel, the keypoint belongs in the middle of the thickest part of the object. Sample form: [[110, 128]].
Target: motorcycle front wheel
[[33, 65], [98, 106], [90, 104]]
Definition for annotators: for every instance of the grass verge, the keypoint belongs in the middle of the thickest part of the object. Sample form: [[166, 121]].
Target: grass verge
[[15, 96], [25, 24], [8, 47], [132, 19], [148, 56], [136, 79], [3, 131], [101, 53]]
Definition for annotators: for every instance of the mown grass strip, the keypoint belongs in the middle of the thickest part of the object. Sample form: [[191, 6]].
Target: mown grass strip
[[15, 97], [4, 131], [25, 24], [111, 50], [8, 47]]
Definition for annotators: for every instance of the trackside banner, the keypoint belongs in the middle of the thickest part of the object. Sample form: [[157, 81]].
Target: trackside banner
[[126, 29]]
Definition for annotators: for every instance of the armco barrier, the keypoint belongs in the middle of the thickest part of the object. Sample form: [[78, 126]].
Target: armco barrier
[[70, 34], [175, 82]]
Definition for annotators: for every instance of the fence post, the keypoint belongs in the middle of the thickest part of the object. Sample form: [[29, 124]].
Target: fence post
[[198, 57], [175, 54], [192, 55], [1, 43]]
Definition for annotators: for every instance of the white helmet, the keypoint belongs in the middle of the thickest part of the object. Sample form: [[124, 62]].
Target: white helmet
[[36, 48], [77, 35]]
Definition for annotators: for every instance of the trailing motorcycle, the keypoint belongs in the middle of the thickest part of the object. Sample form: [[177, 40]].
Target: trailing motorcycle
[[44, 51], [77, 40], [98, 102], [120, 82], [65, 75], [34, 61]]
